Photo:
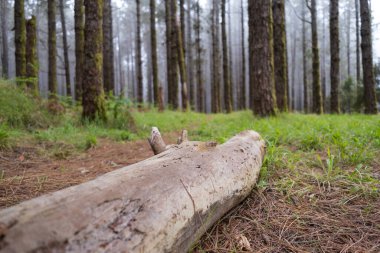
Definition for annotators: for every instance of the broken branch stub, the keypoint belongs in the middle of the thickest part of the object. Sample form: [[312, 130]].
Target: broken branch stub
[[162, 204]]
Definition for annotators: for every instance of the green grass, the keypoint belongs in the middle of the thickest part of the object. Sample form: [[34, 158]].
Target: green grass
[[329, 149]]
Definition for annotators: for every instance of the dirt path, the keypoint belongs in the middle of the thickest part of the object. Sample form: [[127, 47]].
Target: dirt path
[[26, 174]]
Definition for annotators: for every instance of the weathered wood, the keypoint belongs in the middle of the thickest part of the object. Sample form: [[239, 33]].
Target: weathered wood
[[156, 142], [162, 204]]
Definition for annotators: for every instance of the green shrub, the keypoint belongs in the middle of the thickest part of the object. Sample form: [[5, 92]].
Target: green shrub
[[18, 109]]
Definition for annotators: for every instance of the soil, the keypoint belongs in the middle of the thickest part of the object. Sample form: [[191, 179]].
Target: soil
[[25, 173]]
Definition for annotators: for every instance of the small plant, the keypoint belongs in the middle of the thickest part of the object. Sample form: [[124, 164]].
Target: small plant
[[4, 140], [91, 141]]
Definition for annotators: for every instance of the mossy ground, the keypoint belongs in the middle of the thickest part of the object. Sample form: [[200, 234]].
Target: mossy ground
[[319, 184]]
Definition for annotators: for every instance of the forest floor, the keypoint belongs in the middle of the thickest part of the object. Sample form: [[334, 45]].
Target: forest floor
[[318, 189]]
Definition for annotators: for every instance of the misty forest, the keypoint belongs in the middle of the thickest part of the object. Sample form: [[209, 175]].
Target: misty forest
[[189, 126]]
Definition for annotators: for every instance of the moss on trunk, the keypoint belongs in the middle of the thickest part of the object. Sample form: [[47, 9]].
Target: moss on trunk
[[31, 56], [20, 40]]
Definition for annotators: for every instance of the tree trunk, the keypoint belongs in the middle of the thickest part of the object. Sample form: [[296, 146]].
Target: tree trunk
[[93, 94], [189, 57], [280, 55], [230, 59], [65, 48], [79, 47], [182, 68], [348, 33], [138, 56], [304, 62], [243, 69], [31, 56], [261, 57], [20, 39], [199, 50], [367, 59], [215, 88], [317, 93], [153, 44], [108, 54], [133, 209], [292, 98], [52, 51], [357, 44], [4, 36], [334, 52], [226, 68]]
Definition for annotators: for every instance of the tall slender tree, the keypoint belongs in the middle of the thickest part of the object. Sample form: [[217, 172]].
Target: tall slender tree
[[108, 54], [243, 66], [4, 36], [199, 65], [153, 44], [93, 94], [215, 73], [367, 59], [138, 55], [357, 31], [79, 47], [52, 41], [182, 68], [304, 62], [31, 55], [317, 92], [334, 52], [226, 68], [20, 38], [261, 57], [189, 55], [280, 55], [65, 47]]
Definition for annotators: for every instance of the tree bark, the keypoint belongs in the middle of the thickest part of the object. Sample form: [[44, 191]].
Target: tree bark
[[280, 55], [334, 52], [20, 39], [189, 56], [65, 47], [317, 92], [226, 68], [304, 62], [182, 68], [108, 54], [163, 204], [52, 49], [199, 50], [138, 56], [153, 44], [215, 85], [79, 47], [31, 55], [93, 94], [4, 36], [357, 44], [261, 57], [367, 59], [243, 69]]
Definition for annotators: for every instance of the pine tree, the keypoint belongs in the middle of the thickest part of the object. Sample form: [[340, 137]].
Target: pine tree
[[138, 56], [153, 43], [79, 47], [108, 55], [226, 68], [65, 47], [20, 39], [93, 94], [261, 57], [367, 59], [4, 36], [334, 52], [31, 55], [52, 41], [280, 55]]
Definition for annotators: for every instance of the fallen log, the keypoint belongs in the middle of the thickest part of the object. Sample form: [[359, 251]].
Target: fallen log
[[162, 204]]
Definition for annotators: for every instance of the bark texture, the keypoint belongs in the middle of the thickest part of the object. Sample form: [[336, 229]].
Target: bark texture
[[215, 65], [182, 69], [93, 94], [243, 65], [31, 55], [367, 59], [108, 55], [261, 57], [317, 92], [4, 37], [226, 67], [199, 61], [65, 47], [304, 63], [280, 55], [357, 30], [153, 44], [334, 52], [163, 204], [139, 74], [20, 38], [52, 41], [79, 47]]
